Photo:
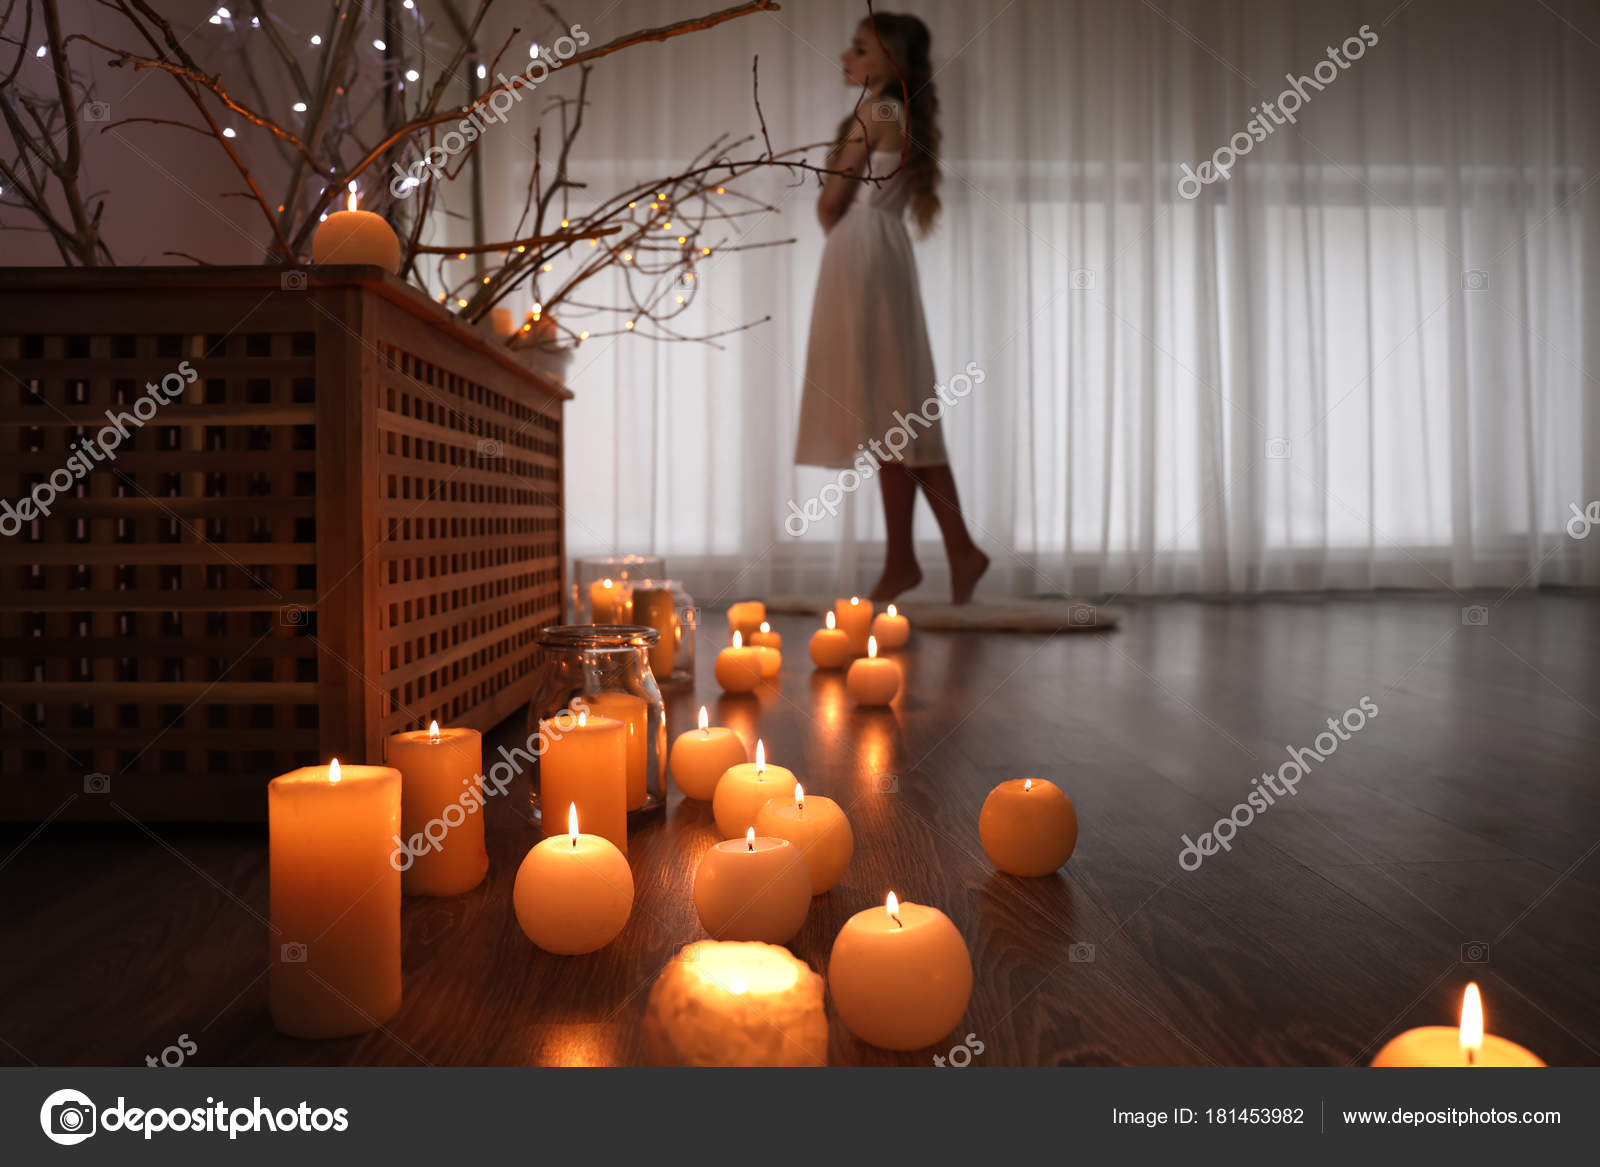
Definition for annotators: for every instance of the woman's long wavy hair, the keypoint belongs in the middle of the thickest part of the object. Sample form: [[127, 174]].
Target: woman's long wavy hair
[[907, 42]]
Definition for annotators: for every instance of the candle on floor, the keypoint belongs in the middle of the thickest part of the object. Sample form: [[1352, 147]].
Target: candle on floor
[[855, 621], [1466, 1045], [872, 680], [736, 1003], [573, 892], [771, 660], [441, 809], [654, 608], [817, 827], [744, 789], [746, 616], [900, 975], [1028, 826], [585, 763], [355, 236], [608, 602], [738, 668], [752, 889], [700, 756], [765, 637], [891, 628], [830, 647], [334, 947], [635, 716]]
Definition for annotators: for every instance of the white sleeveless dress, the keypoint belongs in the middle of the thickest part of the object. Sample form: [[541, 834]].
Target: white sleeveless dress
[[868, 357]]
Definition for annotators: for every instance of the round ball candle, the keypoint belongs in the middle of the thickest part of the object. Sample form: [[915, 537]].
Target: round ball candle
[[765, 637], [855, 619], [817, 827], [738, 668], [900, 975], [441, 809], [574, 892], [736, 1003], [1465, 1046], [608, 602], [1028, 827], [771, 660], [353, 236], [746, 616], [830, 647], [334, 946], [752, 889], [635, 716], [700, 756], [585, 763], [872, 680], [746, 788], [891, 628]]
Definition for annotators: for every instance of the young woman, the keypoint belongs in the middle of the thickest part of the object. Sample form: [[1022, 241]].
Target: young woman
[[868, 364]]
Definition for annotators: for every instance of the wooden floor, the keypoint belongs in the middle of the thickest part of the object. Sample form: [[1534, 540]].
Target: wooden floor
[[1453, 838]]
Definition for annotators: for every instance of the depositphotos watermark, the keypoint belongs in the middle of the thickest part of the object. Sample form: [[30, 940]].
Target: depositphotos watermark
[[469, 129], [68, 1117], [1271, 115], [1280, 784], [101, 447], [828, 501]]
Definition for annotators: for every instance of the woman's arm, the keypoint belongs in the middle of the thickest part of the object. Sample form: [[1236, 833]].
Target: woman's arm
[[839, 190]]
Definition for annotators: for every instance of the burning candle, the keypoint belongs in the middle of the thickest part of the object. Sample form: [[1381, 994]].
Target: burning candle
[[635, 717], [608, 602], [900, 975], [891, 628], [771, 660], [573, 892], [746, 616], [817, 827], [585, 762], [744, 789], [752, 889], [736, 1003], [855, 619], [334, 963], [1028, 826], [352, 236], [700, 756], [872, 680], [441, 809], [765, 637], [830, 647], [1467, 1045], [738, 668]]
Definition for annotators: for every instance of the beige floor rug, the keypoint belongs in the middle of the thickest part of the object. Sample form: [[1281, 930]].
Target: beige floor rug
[[994, 615]]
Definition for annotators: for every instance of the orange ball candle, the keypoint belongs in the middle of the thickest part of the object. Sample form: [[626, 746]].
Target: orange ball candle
[[752, 889], [573, 892], [872, 680], [891, 628], [817, 827], [900, 975], [738, 669], [701, 756], [830, 646], [1465, 1046], [746, 788], [354, 236], [1028, 827]]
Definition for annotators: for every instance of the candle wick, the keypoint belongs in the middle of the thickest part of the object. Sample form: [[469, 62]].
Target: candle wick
[[896, 920], [1472, 1056]]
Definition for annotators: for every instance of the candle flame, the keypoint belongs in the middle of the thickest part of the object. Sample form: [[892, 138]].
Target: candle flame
[[830, 620], [1027, 784], [761, 757], [872, 646], [854, 600], [1471, 1022], [765, 627], [572, 822], [799, 796], [333, 771], [583, 719], [433, 732], [738, 640], [750, 838], [892, 906], [606, 583], [350, 203], [892, 610], [704, 720], [737, 985]]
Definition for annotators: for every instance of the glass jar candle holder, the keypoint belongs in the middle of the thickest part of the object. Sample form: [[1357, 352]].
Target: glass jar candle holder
[[666, 606], [602, 586], [608, 667]]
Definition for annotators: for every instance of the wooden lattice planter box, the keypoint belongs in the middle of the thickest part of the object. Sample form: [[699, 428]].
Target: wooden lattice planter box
[[347, 522]]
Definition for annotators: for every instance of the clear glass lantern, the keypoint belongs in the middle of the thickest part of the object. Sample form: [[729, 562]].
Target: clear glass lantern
[[666, 606], [608, 666], [602, 586]]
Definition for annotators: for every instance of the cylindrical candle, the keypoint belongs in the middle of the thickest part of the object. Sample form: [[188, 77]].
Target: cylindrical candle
[[441, 809], [736, 1003], [855, 620], [752, 889], [900, 975], [573, 892], [744, 789], [635, 715], [891, 628], [700, 756], [1028, 826], [585, 761], [352, 236], [817, 827], [1467, 1046], [872, 680], [654, 608], [334, 955], [608, 602], [745, 617], [738, 668], [830, 647]]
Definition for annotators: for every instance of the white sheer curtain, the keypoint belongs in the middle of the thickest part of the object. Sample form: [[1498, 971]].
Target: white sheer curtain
[[1367, 358]]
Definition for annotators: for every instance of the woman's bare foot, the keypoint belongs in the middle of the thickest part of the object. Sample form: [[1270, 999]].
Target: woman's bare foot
[[893, 582], [965, 572]]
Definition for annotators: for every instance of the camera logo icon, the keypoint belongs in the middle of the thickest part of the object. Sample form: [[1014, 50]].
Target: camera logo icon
[[97, 783], [1081, 953], [1081, 615], [885, 111], [97, 111], [292, 953], [1475, 615], [886, 784], [1475, 280], [1277, 449], [294, 615], [1081, 279], [292, 281], [67, 1117], [491, 448], [1475, 952]]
